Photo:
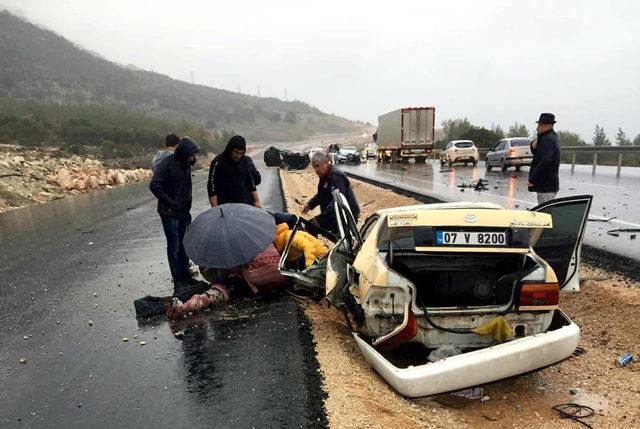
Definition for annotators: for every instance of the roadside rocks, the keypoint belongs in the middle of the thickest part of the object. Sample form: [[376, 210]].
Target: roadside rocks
[[37, 175]]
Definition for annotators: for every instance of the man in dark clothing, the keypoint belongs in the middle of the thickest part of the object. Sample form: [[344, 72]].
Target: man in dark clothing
[[170, 143], [171, 184], [233, 176], [543, 174], [330, 178]]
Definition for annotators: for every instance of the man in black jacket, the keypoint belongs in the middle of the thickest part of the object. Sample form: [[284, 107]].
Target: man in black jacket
[[330, 178], [233, 176], [171, 184], [543, 174]]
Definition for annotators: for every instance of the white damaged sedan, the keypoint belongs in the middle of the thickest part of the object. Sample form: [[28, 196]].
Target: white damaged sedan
[[448, 296]]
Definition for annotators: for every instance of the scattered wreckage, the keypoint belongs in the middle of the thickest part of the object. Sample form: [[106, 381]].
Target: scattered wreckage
[[284, 158], [448, 296]]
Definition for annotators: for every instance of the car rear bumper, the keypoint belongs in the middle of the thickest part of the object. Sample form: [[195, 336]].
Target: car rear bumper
[[461, 158], [480, 366], [518, 161]]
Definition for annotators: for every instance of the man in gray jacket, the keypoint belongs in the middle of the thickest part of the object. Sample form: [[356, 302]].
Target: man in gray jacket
[[170, 143]]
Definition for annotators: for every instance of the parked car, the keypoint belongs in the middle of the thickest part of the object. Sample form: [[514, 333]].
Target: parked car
[[428, 275], [509, 152], [348, 155], [459, 151]]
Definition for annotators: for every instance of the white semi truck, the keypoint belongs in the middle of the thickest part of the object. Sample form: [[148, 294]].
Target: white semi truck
[[404, 134]]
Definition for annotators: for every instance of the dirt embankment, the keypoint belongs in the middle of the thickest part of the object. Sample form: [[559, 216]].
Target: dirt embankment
[[38, 175], [606, 311]]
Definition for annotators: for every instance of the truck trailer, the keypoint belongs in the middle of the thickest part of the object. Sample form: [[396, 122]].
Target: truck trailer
[[404, 134]]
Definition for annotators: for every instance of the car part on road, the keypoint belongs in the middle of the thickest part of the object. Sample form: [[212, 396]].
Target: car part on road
[[575, 412], [479, 366]]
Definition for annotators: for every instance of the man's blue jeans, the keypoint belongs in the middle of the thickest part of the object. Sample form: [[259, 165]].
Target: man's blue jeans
[[174, 230]]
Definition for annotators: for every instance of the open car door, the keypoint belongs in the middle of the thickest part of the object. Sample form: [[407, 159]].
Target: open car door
[[339, 264], [560, 246], [312, 278], [334, 265]]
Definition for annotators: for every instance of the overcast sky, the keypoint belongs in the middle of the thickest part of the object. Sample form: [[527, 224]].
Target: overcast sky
[[490, 61]]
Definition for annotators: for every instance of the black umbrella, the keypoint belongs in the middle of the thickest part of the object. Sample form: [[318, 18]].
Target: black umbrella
[[228, 235]]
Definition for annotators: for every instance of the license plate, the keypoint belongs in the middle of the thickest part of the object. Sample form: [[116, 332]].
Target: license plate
[[457, 238]]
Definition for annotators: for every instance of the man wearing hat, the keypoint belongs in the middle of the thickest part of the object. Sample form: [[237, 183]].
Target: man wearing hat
[[543, 174]]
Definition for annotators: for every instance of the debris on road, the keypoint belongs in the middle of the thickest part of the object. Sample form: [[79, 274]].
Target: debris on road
[[23, 361], [574, 412], [143, 343], [617, 232], [472, 393], [479, 185], [624, 360], [125, 339], [90, 322]]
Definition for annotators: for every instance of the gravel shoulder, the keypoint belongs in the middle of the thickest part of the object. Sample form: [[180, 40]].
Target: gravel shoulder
[[606, 310], [38, 175]]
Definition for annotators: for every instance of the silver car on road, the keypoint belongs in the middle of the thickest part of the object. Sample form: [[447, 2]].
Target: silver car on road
[[510, 152]]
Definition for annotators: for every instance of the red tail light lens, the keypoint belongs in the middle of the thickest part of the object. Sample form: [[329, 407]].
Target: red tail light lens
[[539, 294]]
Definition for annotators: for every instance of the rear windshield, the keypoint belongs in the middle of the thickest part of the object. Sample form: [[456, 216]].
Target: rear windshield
[[464, 144], [521, 142]]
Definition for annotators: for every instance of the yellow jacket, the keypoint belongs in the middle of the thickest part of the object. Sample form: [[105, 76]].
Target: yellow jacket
[[303, 242]]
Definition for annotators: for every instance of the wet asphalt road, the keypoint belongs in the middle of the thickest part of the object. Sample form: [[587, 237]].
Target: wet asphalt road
[[69, 272], [613, 197]]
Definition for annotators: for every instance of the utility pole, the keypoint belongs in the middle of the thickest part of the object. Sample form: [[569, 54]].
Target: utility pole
[[191, 77], [285, 94], [258, 90], [239, 89]]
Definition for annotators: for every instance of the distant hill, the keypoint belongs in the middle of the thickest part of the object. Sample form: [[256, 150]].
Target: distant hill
[[38, 63]]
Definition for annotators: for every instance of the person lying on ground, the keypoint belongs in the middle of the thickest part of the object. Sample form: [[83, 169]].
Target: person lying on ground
[[258, 277]]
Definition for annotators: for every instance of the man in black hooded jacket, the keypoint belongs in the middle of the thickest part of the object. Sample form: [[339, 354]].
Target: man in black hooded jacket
[[171, 184], [233, 176]]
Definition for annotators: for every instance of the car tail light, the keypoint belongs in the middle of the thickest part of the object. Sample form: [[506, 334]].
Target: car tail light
[[539, 294], [512, 152]]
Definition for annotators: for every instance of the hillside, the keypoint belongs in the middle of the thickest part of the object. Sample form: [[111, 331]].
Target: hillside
[[38, 63]]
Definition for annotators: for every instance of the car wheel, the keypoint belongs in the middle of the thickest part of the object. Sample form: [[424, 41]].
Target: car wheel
[[487, 165], [503, 166], [475, 162], [517, 168]]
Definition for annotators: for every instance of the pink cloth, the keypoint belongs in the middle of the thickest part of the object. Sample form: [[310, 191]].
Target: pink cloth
[[262, 274]]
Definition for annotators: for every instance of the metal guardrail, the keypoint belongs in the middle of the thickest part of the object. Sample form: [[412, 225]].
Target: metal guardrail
[[620, 150]]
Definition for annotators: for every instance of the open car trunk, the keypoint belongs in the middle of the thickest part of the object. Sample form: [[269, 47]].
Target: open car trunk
[[459, 281]]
